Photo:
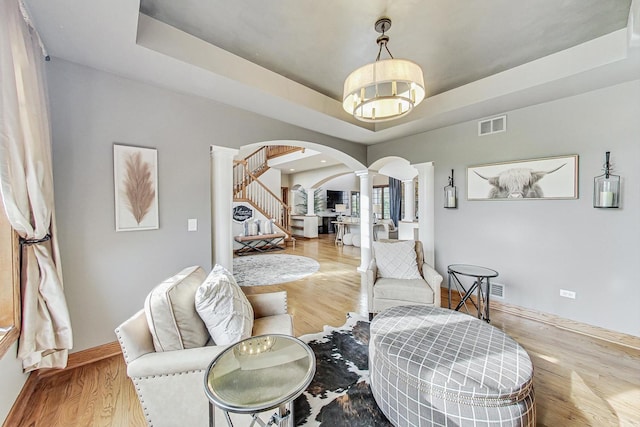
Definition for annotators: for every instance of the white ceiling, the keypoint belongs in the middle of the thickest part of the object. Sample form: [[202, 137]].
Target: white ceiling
[[287, 59]]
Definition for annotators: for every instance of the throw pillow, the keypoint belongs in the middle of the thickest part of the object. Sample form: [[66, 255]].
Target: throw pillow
[[224, 308], [396, 260], [171, 314], [267, 227], [253, 228]]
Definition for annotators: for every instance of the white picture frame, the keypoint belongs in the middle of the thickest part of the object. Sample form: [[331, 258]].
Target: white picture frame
[[538, 179], [135, 174]]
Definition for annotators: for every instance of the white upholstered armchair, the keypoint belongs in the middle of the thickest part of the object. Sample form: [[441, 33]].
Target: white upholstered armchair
[[393, 278], [170, 383], [386, 229]]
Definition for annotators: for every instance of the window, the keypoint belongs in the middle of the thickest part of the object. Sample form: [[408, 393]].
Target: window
[[355, 204], [9, 284], [380, 196]]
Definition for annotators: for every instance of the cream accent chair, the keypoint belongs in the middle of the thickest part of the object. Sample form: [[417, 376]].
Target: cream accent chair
[[386, 229], [383, 293], [170, 384]]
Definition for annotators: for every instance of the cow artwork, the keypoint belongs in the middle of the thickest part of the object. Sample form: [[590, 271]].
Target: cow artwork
[[517, 183]]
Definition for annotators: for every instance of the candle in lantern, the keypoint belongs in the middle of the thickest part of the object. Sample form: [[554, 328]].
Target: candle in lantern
[[606, 199]]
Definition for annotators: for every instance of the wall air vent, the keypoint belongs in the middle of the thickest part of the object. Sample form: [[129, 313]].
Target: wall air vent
[[493, 125], [497, 290]]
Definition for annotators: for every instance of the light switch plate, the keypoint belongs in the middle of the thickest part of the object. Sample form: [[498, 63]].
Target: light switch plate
[[192, 224]]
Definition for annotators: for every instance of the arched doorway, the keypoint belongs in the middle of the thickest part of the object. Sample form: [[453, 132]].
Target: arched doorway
[[418, 181], [222, 198]]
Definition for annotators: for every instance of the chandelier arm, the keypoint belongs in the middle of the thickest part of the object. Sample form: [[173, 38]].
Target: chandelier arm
[[388, 51], [379, 51]]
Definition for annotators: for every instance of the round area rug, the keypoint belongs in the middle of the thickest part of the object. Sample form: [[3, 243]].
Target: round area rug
[[260, 270]]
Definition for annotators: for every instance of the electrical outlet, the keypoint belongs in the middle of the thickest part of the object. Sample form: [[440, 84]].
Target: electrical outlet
[[567, 294]]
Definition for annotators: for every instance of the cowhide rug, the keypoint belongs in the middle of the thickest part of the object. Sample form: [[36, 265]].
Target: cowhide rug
[[339, 394]]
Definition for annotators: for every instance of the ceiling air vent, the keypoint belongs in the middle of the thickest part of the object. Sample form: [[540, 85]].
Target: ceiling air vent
[[497, 290], [493, 125]]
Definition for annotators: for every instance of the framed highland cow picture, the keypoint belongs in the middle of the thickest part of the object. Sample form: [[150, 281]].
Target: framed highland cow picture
[[135, 175], [547, 178]]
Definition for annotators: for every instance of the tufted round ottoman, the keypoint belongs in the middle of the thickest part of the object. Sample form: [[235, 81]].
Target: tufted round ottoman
[[431, 366]]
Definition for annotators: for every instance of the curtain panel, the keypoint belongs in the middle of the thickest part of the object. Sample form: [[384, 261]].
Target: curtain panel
[[395, 199], [26, 187]]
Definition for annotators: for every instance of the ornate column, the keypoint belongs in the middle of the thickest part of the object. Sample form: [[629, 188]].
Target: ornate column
[[426, 212], [221, 205], [409, 200], [366, 223]]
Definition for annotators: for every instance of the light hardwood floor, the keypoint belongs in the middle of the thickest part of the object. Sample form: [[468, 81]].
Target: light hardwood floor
[[579, 381]]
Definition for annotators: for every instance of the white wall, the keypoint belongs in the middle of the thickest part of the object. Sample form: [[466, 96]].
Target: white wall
[[338, 176], [317, 177], [379, 179], [12, 380], [539, 247], [107, 274], [271, 179]]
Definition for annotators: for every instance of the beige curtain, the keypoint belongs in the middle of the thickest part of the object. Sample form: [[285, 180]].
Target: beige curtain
[[26, 186]]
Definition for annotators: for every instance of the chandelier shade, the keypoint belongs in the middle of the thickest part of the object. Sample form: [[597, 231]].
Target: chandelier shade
[[385, 89]]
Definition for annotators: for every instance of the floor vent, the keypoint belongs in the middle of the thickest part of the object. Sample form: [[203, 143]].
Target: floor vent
[[497, 290], [493, 125]]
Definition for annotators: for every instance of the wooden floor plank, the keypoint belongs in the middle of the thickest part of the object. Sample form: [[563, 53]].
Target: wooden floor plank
[[578, 380]]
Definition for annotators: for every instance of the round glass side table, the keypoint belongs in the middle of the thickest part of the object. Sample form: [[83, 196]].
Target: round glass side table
[[259, 374], [482, 276]]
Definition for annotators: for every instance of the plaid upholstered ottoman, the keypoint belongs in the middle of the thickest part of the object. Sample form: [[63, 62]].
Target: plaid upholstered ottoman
[[431, 366]]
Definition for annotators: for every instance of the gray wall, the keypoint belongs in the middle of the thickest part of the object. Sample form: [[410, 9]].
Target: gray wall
[[107, 274], [541, 246]]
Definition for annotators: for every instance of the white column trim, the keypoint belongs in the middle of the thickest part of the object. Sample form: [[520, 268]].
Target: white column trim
[[409, 200], [633, 26], [366, 223], [426, 210], [221, 205], [311, 202]]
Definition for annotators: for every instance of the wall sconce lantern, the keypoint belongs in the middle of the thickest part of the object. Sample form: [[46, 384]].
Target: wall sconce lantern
[[606, 188], [450, 193]]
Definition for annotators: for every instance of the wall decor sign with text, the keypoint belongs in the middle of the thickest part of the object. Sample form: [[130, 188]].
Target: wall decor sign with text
[[135, 174], [242, 213], [547, 178]]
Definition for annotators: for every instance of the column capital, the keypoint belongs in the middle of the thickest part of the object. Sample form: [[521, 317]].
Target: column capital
[[422, 166], [365, 172], [219, 150]]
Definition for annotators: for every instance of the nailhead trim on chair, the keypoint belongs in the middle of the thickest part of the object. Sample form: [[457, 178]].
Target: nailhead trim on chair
[[124, 352], [195, 371], [144, 408]]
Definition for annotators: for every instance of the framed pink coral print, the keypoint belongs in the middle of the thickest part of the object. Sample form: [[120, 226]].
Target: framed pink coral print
[[135, 175]]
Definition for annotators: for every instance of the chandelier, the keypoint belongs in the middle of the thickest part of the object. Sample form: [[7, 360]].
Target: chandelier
[[385, 89]]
